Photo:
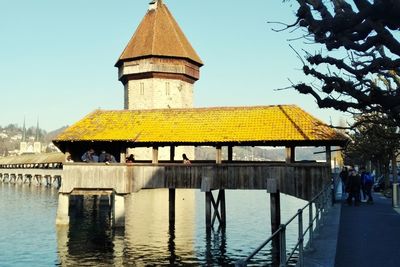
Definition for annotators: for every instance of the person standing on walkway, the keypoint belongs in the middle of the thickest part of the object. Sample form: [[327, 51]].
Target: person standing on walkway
[[344, 175], [368, 182], [363, 188], [353, 187]]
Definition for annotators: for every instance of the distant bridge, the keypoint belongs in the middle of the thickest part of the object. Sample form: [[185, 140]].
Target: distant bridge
[[41, 169]]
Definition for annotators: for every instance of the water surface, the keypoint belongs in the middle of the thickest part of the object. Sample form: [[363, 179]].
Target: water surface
[[29, 237]]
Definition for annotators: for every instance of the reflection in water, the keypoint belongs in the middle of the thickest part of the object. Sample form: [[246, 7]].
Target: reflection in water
[[149, 238], [216, 247], [148, 235], [89, 239], [28, 235]]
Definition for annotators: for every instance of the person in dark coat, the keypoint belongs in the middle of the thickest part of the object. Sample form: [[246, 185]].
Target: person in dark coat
[[344, 174], [363, 184], [353, 187], [130, 159], [90, 156], [368, 183]]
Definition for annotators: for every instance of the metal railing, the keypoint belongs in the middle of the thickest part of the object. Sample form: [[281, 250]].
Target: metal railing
[[322, 202]]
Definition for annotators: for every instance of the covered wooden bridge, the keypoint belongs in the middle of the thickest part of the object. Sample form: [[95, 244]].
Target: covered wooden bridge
[[117, 131], [43, 168]]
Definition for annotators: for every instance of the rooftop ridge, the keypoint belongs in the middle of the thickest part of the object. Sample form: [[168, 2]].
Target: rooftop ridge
[[200, 108], [294, 124]]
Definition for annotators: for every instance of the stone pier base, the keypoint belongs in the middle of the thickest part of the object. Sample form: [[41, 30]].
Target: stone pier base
[[62, 210], [118, 210]]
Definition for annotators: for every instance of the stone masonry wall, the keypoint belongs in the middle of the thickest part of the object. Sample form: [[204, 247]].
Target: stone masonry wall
[[158, 93]]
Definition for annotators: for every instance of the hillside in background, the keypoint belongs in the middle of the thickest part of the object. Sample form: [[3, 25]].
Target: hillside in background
[[261, 153], [11, 137], [51, 135]]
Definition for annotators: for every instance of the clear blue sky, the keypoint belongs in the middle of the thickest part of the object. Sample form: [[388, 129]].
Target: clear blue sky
[[57, 57]]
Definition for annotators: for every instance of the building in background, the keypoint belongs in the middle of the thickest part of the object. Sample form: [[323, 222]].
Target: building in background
[[30, 145]]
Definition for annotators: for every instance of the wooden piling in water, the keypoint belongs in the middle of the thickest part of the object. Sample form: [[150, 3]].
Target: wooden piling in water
[[275, 206], [222, 208], [208, 210], [171, 195], [215, 209]]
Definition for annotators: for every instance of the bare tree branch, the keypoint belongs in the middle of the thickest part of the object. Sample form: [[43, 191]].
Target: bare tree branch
[[368, 78]]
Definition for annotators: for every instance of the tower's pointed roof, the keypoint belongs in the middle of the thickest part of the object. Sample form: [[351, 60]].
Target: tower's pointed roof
[[159, 35]]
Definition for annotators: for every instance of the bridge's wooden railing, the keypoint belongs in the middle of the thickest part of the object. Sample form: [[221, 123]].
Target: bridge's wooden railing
[[302, 180]]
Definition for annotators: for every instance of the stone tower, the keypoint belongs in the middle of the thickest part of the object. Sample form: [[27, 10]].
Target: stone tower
[[158, 69]]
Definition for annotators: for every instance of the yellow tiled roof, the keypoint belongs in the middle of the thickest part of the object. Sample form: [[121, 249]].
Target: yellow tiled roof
[[202, 125], [159, 35]]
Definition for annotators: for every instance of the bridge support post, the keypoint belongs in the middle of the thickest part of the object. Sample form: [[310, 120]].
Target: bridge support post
[[58, 181], [221, 197], [62, 210], [275, 223], [218, 158], [208, 211], [172, 153], [290, 154], [118, 210], [155, 155], [171, 195], [275, 207], [275, 211], [218, 207], [122, 155], [230, 153], [171, 202]]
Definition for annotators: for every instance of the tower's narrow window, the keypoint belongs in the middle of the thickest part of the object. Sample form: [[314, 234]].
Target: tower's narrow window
[[142, 88], [167, 92]]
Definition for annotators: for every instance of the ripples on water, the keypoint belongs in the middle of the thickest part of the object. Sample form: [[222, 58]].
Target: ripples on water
[[28, 236]]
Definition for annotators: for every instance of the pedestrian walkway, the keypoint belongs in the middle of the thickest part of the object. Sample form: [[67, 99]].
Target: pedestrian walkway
[[352, 236], [369, 235], [323, 250]]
